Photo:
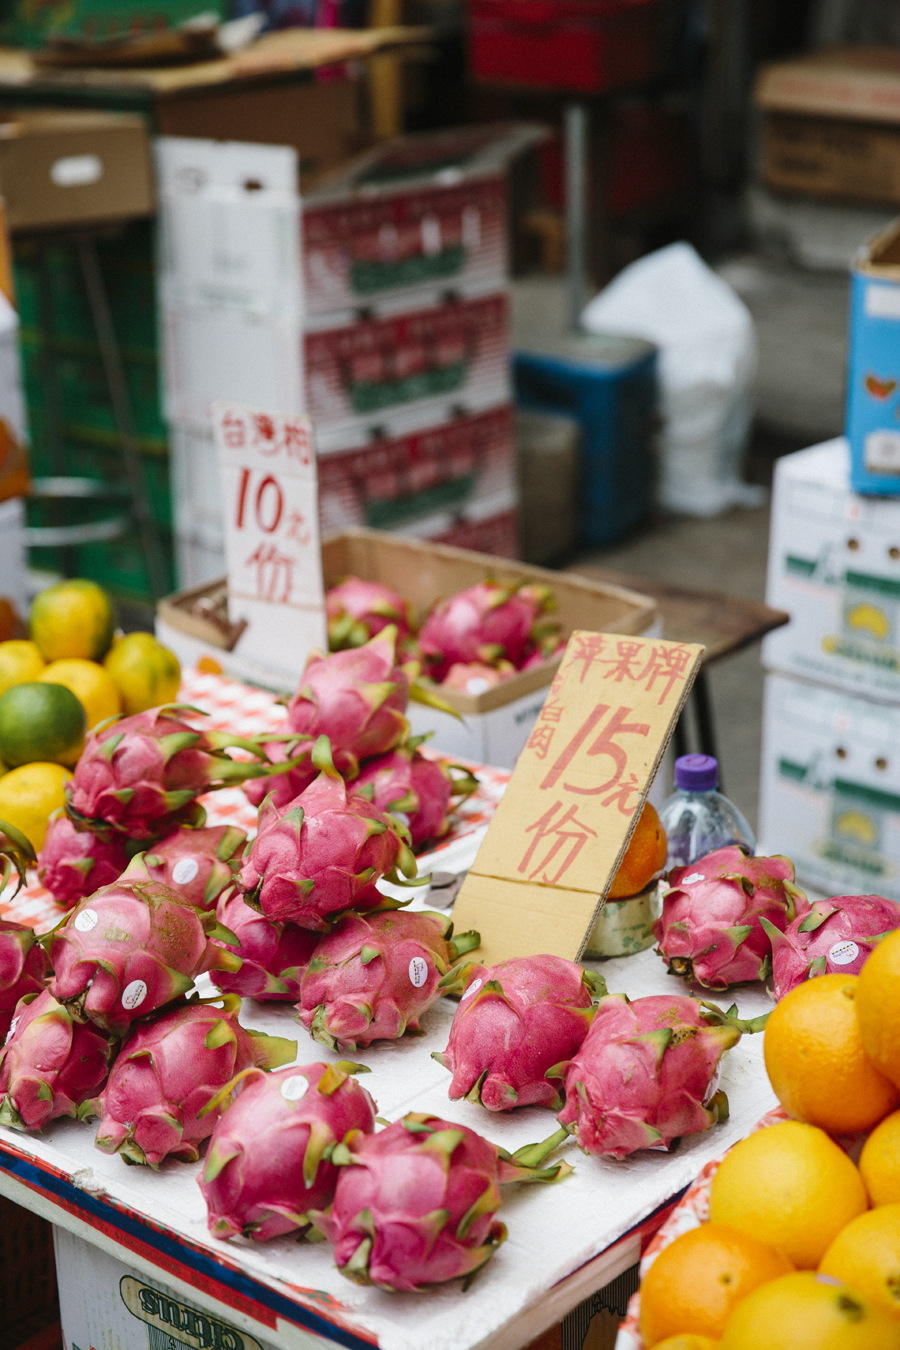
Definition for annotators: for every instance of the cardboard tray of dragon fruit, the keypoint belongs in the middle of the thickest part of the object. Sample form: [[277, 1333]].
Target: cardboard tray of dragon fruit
[[324, 1141]]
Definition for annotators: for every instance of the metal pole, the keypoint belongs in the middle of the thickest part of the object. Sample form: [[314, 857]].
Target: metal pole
[[111, 357], [576, 146]]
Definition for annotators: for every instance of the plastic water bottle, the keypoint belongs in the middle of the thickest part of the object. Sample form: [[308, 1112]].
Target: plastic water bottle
[[697, 818]]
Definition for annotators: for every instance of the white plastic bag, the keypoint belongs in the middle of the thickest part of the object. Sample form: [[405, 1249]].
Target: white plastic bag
[[707, 361]]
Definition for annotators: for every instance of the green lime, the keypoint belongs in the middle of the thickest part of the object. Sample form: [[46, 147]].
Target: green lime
[[40, 721], [72, 618]]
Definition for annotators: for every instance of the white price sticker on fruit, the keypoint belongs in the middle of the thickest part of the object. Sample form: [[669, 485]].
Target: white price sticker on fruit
[[271, 509]]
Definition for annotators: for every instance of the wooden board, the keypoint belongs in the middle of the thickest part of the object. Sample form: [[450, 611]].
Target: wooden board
[[577, 791]]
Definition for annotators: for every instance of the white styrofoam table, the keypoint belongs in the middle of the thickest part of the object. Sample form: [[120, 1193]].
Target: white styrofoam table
[[564, 1241]]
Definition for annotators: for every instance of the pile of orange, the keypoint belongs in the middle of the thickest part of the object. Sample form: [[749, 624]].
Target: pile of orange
[[802, 1247]]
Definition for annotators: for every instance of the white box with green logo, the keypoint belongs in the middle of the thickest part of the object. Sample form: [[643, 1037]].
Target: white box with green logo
[[830, 787], [834, 565]]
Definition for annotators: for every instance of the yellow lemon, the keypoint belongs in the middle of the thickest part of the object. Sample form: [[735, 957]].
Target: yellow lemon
[[791, 1184], [696, 1282], [144, 672], [29, 794], [90, 684], [879, 1162], [878, 1006], [20, 662], [41, 721], [866, 1255], [805, 1311], [72, 618]]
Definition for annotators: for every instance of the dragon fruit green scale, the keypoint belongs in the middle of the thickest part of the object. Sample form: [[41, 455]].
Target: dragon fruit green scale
[[269, 1158], [711, 929], [646, 1073], [515, 1021], [131, 949], [374, 975], [50, 1064], [164, 1093], [323, 853], [140, 776]]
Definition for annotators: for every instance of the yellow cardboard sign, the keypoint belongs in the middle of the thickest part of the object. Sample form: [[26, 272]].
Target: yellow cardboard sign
[[576, 793]]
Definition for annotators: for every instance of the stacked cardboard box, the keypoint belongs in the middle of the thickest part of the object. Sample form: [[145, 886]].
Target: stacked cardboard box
[[830, 777], [406, 348], [230, 300]]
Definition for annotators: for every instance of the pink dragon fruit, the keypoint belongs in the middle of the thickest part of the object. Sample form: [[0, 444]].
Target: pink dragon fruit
[[487, 623], [198, 865], [140, 776], [711, 927], [646, 1073], [358, 610], [542, 654], [269, 1158], [404, 781], [474, 677], [73, 863], [50, 1064], [356, 698], [132, 948], [274, 955], [833, 937], [282, 787], [415, 1205], [373, 977], [323, 853], [515, 1021], [24, 969], [163, 1096]]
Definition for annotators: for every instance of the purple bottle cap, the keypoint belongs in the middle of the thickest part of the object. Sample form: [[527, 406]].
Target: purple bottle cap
[[696, 773]]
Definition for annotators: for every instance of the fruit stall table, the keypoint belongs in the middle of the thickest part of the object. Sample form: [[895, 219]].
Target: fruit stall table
[[565, 1241]]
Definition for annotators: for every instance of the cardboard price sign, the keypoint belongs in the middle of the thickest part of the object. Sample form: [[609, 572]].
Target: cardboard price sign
[[578, 788], [270, 501]]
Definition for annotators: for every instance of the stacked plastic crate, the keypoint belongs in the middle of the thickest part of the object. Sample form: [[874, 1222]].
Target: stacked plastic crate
[[406, 345]]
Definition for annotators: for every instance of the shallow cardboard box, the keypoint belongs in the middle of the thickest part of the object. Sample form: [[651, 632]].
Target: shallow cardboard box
[[496, 723], [320, 120], [873, 373], [834, 565], [830, 787], [70, 168]]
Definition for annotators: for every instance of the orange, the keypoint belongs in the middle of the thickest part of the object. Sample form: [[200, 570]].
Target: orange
[[696, 1282], [866, 1255], [689, 1341], [879, 1162], [791, 1183], [804, 1311], [878, 1006], [816, 1061], [645, 856]]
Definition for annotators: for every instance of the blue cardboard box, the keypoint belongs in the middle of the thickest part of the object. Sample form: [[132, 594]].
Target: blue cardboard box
[[873, 377]]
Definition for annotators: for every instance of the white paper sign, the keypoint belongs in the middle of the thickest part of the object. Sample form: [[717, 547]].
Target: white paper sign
[[270, 505]]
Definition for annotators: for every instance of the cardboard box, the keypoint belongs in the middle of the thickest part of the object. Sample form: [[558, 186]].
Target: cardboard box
[[108, 1305], [71, 168], [421, 210], [834, 565], [444, 351], [831, 123], [830, 787], [392, 480], [873, 375], [496, 723], [319, 120]]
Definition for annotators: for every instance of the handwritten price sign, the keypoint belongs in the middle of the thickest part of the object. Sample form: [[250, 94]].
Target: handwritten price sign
[[270, 496], [578, 788]]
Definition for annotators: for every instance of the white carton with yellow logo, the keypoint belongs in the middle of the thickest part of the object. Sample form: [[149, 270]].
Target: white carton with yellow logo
[[830, 787], [834, 565]]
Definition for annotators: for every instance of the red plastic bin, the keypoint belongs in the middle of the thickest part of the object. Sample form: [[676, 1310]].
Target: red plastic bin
[[586, 46]]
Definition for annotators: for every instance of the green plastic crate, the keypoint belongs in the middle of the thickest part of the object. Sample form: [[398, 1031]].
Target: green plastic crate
[[27, 23]]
